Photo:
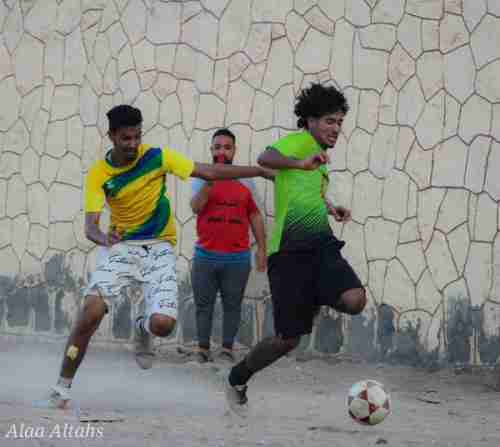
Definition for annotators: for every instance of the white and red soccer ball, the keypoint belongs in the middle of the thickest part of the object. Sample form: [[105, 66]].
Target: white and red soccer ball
[[368, 402]]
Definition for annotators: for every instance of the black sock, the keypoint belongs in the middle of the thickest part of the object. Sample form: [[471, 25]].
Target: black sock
[[240, 374], [261, 356]]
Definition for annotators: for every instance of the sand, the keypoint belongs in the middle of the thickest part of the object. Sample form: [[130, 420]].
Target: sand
[[294, 403]]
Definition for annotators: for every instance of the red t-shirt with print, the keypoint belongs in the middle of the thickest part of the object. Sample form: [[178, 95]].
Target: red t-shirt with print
[[223, 224]]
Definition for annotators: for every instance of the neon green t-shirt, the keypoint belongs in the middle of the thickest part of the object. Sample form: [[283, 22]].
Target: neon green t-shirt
[[301, 217]]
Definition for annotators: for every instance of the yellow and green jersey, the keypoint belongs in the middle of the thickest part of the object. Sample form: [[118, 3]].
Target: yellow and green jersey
[[136, 194], [300, 213]]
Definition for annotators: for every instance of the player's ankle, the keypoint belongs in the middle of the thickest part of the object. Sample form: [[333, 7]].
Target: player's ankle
[[240, 374], [64, 382], [139, 324]]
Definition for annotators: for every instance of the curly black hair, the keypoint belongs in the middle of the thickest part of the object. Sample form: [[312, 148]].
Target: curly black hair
[[123, 116], [319, 100]]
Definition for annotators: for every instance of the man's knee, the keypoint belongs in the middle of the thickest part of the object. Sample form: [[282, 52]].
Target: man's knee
[[93, 311], [353, 301], [288, 344], [161, 325]]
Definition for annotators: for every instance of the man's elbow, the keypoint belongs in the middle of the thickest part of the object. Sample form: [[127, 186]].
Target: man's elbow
[[194, 208], [89, 234]]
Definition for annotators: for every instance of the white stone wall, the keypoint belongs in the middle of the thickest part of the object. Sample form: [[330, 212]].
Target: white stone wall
[[418, 162]]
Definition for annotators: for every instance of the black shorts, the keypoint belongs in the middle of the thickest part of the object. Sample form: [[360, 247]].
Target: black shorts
[[302, 281]]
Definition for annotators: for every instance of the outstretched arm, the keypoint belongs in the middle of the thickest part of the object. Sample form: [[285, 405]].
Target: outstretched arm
[[273, 159], [218, 171], [268, 174]]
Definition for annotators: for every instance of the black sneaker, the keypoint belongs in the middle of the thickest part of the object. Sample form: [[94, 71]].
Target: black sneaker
[[203, 357], [226, 356], [236, 398]]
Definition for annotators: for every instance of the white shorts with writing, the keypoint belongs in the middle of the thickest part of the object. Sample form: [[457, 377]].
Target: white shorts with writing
[[152, 266]]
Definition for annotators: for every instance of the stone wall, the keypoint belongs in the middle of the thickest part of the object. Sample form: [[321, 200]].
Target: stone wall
[[418, 160]]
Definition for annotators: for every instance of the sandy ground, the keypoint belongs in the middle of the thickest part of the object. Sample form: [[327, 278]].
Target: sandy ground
[[293, 404]]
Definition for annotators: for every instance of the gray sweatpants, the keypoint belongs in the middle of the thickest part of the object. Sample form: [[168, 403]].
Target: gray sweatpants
[[230, 279]]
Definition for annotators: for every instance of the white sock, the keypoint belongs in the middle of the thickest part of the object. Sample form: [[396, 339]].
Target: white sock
[[64, 382], [143, 325]]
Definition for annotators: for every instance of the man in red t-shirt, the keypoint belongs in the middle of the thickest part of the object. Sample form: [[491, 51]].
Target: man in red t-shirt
[[225, 210]]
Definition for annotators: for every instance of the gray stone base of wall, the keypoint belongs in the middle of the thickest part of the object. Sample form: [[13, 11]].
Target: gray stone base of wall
[[46, 311], [37, 314]]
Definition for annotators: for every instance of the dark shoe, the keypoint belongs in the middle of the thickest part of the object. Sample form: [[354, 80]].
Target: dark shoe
[[236, 398], [227, 356], [58, 398], [203, 357]]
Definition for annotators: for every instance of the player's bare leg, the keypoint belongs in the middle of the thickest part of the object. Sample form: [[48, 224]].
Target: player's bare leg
[[87, 323], [351, 302], [261, 356], [158, 325]]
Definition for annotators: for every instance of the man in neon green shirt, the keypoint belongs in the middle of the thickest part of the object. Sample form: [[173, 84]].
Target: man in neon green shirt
[[305, 267]]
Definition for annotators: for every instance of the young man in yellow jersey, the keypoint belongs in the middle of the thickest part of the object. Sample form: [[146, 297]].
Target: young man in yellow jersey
[[139, 246]]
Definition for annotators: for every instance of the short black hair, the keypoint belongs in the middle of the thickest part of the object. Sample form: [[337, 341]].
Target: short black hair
[[123, 116], [225, 133], [319, 100]]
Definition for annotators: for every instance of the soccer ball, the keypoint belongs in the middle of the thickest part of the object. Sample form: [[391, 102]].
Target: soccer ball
[[368, 403]]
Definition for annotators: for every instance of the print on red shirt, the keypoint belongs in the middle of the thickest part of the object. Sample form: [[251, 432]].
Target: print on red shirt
[[223, 224]]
